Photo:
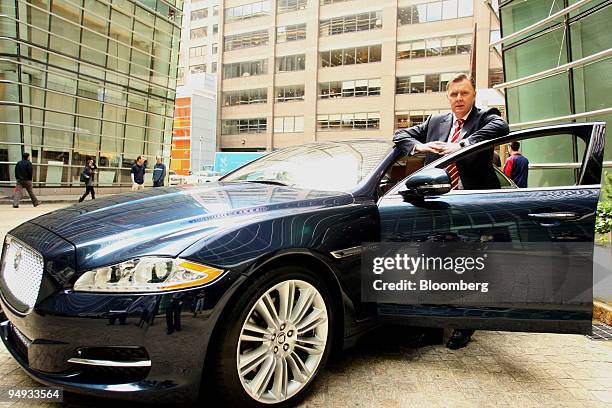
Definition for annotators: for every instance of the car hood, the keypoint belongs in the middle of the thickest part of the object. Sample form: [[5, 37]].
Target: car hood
[[165, 221]]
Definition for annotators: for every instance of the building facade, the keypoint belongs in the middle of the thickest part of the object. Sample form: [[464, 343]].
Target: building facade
[[298, 71], [558, 69], [194, 135], [86, 78], [195, 141], [199, 46]]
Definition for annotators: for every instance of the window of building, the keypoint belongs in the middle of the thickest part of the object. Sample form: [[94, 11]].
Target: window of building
[[423, 83], [215, 10], [289, 124], [291, 63], [246, 11], [245, 69], [291, 33], [215, 29], [199, 14], [245, 97], [347, 89], [197, 51], [351, 23], [213, 67], [435, 11], [496, 76], [290, 93], [348, 56], [325, 2], [215, 48], [198, 33], [285, 6], [180, 74], [348, 121], [434, 47], [197, 69], [237, 126], [413, 118], [245, 40]]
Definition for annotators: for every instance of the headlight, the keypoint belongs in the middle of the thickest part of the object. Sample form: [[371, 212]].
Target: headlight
[[147, 275]]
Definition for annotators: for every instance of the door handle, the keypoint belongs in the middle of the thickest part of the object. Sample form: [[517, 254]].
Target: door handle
[[556, 216], [552, 219]]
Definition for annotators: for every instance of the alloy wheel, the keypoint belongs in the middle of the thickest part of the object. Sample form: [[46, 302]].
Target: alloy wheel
[[282, 341]]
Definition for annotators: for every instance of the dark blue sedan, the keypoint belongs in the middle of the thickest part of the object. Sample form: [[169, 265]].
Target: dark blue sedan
[[248, 284]]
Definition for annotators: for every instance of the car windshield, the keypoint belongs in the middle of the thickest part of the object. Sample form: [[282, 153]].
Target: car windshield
[[331, 166]]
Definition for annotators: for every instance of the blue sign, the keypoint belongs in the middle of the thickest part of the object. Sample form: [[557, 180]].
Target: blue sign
[[228, 161]]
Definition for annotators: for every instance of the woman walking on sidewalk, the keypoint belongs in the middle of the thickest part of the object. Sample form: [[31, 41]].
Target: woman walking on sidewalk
[[87, 176]]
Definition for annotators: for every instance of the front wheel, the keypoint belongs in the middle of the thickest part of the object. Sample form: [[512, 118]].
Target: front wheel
[[279, 337]]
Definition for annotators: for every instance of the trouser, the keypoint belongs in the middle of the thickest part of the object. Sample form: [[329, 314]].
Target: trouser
[[159, 183], [88, 189], [27, 184], [136, 186]]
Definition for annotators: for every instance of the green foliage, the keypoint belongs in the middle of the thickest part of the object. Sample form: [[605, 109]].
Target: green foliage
[[603, 223], [607, 187]]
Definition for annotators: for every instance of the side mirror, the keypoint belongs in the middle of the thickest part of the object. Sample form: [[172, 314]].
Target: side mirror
[[428, 183]]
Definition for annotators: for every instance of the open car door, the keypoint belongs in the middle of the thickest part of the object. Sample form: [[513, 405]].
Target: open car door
[[556, 215]]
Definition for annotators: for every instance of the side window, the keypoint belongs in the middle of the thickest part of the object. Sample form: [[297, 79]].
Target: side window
[[545, 161], [399, 170]]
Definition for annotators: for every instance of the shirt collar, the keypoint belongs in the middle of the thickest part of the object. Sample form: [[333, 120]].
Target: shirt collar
[[464, 117]]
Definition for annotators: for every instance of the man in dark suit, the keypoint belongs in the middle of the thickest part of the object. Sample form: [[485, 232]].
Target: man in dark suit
[[443, 134], [465, 125]]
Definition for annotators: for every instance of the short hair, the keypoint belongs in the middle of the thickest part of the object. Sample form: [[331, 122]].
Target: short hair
[[459, 78], [25, 156], [158, 157], [515, 146], [139, 157]]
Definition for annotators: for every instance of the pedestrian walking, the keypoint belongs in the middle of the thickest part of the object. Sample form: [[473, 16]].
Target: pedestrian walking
[[137, 174], [23, 175], [87, 177], [159, 172], [517, 165]]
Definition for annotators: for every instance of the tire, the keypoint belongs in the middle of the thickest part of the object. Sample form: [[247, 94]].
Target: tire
[[260, 343]]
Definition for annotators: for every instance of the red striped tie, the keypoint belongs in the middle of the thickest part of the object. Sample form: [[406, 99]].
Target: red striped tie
[[453, 173]]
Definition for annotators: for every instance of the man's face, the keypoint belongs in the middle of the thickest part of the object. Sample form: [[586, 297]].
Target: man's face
[[461, 96], [140, 161]]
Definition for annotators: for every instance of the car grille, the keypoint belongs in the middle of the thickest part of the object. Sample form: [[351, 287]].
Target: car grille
[[22, 270]]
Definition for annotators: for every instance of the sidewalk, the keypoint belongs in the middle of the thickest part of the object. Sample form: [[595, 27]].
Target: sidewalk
[[52, 199]]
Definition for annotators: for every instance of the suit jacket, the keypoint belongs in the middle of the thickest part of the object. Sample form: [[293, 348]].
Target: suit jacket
[[476, 171]]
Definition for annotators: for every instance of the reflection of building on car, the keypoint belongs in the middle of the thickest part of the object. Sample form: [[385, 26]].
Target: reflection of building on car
[[274, 250]]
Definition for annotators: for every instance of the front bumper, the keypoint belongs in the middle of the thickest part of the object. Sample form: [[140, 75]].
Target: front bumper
[[173, 330]]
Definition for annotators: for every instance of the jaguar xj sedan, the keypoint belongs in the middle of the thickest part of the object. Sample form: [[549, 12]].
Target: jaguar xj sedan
[[245, 286]]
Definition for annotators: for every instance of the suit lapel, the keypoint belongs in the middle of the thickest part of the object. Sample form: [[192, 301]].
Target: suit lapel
[[445, 128], [471, 122]]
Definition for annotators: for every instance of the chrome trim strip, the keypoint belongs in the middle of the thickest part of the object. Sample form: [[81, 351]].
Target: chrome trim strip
[[434, 186], [602, 55], [343, 253], [598, 112], [110, 363], [540, 23], [555, 166]]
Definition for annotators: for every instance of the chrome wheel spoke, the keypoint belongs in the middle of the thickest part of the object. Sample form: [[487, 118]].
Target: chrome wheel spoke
[[301, 307], [298, 368], [252, 332], [266, 309], [281, 379], [314, 319], [286, 294], [261, 380], [252, 359], [311, 345]]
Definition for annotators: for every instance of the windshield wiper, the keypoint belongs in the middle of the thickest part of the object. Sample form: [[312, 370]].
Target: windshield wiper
[[273, 182]]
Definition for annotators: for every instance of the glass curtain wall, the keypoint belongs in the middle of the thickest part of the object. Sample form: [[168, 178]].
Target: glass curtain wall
[[86, 79], [583, 90]]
